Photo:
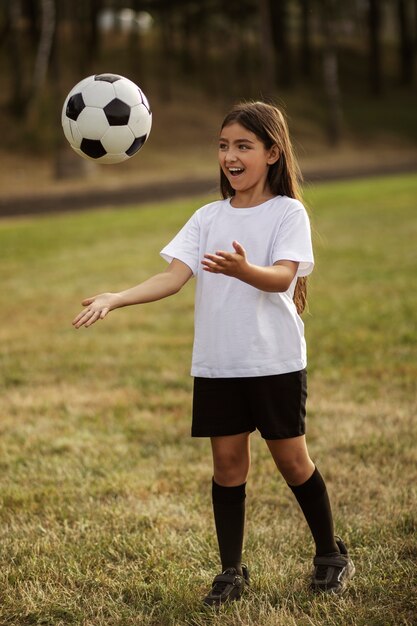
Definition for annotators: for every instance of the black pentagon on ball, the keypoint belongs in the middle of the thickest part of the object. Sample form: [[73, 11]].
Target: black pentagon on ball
[[92, 148], [108, 78], [136, 145], [117, 112], [74, 106]]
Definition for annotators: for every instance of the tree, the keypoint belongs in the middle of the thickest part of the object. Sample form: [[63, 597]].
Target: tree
[[280, 31], [406, 43], [267, 48], [374, 30], [331, 72], [43, 53], [13, 49], [305, 38]]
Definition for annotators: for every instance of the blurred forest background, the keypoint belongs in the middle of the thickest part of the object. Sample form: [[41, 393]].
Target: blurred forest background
[[344, 72]]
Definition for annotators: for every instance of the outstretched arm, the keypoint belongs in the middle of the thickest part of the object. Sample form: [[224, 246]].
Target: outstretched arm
[[157, 287], [275, 278]]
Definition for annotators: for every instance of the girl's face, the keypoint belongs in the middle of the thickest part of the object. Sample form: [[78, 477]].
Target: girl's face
[[244, 158]]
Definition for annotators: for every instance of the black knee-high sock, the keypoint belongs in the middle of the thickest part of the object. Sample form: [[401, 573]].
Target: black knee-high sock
[[229, 516], [314, 502]]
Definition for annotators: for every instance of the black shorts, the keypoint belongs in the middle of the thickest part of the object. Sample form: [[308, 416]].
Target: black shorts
[[275, 405]]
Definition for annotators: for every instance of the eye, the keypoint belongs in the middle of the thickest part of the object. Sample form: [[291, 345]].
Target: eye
[[222, 146], [243, 146]]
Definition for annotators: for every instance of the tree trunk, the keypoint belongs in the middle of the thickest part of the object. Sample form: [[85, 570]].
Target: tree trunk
[[406, 43], [186, 32], [374, 27], [18, 99], [203, 46], [306, 49], [85, 34], [94, 39], [5, 26], [167, 54], [43, 55], [44, 47], [279, 18], [415, 26], [136, 57], [331, 73], [267, 49], [31, 11]]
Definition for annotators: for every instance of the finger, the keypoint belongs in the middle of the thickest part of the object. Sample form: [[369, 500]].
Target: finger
[[79, 316], [239, 249], [104, 313], [223, 255], [83, 318], [215, 268], [92, 319], [211, 266], [216, 258]]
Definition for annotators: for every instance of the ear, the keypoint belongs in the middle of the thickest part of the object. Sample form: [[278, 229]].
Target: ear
[[273, 155]]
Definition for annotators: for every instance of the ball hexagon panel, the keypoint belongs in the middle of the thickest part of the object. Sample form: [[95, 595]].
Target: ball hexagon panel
[[117, 140], [81, 85], [98, 94], [72, 133], [92, 123], [140, 120], [128, 92], [108, 159]]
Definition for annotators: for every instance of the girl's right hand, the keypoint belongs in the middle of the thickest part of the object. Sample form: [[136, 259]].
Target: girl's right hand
[[97, 308]]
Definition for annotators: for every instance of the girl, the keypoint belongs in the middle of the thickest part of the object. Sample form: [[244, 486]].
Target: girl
[[251, 253]]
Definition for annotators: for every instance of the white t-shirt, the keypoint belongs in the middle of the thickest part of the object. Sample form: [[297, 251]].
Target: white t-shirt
[[241, 331]]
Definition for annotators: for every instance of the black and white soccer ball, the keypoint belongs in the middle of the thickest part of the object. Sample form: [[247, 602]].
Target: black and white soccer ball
[[106, 118]]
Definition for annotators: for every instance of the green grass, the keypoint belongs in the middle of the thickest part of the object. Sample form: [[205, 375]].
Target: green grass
[[105, 499]]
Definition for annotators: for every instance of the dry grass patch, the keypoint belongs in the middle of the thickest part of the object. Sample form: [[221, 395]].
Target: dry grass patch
[[105, 499]]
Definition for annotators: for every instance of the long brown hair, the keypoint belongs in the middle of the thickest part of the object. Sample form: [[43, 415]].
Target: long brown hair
[[267, 122]]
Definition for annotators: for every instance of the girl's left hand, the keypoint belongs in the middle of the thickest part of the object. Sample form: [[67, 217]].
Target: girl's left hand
[[229, 263]]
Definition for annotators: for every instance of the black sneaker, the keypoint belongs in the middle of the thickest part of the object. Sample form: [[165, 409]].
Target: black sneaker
[[332, 572], [227, 586]]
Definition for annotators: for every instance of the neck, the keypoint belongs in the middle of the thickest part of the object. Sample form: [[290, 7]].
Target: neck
[[250, 198]]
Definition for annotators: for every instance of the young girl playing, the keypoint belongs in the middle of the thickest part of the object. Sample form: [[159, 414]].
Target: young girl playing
[[250, 253]]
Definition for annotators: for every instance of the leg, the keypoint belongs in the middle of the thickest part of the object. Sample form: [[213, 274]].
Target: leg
[[292, 459], [231, 461]]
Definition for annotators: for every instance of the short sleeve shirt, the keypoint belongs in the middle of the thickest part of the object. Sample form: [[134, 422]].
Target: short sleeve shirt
[[241, 331]]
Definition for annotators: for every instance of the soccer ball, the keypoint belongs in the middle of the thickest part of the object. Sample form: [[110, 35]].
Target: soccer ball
[[106, 118]]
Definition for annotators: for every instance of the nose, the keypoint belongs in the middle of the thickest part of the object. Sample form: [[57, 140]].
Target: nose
[[230, 156]]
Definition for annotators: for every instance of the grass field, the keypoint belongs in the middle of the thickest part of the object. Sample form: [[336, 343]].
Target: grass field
[[105, 499]]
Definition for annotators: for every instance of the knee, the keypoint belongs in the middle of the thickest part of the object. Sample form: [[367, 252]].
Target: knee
[[295, 469], [230, 470]]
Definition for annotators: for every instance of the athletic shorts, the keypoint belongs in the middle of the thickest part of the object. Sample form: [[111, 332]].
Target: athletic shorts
[[275, 405]]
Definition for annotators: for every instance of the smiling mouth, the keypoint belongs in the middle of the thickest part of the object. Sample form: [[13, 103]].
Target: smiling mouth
[[235, 171]]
